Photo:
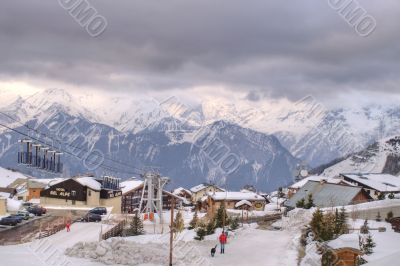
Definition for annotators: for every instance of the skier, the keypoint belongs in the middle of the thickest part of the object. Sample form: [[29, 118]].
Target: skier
[[68, 226], [222, 241]]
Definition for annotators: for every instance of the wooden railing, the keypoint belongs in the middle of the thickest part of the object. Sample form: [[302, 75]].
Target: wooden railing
[[52, 228], [114, 231]]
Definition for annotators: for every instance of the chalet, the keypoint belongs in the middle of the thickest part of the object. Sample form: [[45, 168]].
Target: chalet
[[328, 195], [234, 200], [374, 184], [10, 192], [343, 251], [183, 193], [83, 191], [202, 190], [296, 186], [132, 191]]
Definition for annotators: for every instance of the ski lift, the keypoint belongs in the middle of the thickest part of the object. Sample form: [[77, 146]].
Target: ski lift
[[25, 152], [36, 156]]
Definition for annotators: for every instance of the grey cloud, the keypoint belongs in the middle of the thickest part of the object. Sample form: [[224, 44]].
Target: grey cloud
[[267, 48]]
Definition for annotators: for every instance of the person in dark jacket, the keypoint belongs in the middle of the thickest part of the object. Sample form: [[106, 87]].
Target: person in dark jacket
[[222, 241]]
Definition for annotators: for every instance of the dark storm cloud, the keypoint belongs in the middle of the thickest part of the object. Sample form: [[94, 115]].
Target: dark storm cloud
[[269, 48]]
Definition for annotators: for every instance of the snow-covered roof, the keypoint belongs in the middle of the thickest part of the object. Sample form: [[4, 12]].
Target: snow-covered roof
[[302, 182], [325, 194], [89, 182], [379, 182], [345, 241], [129, 185], [181, 189], [43, 182], [200, 187], [243, 202], [251, 196]]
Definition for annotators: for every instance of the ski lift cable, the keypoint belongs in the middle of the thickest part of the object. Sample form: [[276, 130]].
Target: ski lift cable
[[102, 165], [70, 145]]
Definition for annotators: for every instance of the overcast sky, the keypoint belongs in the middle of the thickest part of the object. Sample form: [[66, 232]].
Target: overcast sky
[[257, 49]]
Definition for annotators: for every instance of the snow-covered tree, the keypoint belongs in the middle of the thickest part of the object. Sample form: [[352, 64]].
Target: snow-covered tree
[[201, 231], [301, 203], [368, 245], [364, 229], [378, 217], [179, 223], [389, 216], [310, 202], [136, 226]]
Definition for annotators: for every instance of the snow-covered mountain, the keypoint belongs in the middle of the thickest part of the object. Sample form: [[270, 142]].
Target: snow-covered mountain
[[309, 131], [223, 153], [381, 157]]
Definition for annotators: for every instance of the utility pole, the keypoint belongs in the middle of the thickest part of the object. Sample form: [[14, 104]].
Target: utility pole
[[171, 233]]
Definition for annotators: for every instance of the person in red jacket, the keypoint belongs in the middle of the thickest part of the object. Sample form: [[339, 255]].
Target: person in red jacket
[[222, 241], [68, 226]]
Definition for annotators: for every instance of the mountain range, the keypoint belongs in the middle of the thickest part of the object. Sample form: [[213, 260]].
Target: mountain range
[[267, 143]]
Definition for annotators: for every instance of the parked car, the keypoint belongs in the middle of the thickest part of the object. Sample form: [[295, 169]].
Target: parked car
[[92, 217], [36, 210], [18, 218], [23, 214], [27, 204], [99, 210], [9, 221]]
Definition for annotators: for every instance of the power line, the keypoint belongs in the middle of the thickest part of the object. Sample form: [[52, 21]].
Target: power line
[[102, 165], [126, 164]]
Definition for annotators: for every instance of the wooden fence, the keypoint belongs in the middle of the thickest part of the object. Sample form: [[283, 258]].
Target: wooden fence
[[51, 228], [116, 230]]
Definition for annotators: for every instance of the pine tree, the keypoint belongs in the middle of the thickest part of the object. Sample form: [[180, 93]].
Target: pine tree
[[194, 221], [343, 221], [328, 227], [364, 229], [179, 224], [316, 223], [360, 261], [301, 203], [210, 228], [201, 231], [221, 216], [310, 202], [136, 226], [389, 216], [378, 217], [338, 223], [369, 245], [234, 223]]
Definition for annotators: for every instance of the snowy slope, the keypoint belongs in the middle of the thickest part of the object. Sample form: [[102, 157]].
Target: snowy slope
[[8, 176], [380, 157]]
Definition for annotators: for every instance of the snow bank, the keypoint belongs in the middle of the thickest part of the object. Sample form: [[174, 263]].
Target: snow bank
[[8, 176], [119, 251], [13, 205]]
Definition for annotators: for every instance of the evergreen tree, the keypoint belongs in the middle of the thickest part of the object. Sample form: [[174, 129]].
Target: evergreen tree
[[328, 227], [338, 223], [316, 223], [360, 261], [221, 216], [378, 217], [300, 203], [381, 196], [210, 228], [391, 195], [343, 220], [310, 202], [364, 229], [234, 223], [194, 221], [368, 245], [280, 193], [179, 224], [136, 226], [201, 231], [389, 216]]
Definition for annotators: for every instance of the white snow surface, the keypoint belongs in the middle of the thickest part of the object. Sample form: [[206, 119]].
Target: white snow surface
[[235, 196], [302, 182], [380, 182], [130, 185], [90, 182], [8, 176]]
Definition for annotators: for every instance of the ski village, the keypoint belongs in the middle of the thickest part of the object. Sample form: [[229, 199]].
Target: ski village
[[343, 213]]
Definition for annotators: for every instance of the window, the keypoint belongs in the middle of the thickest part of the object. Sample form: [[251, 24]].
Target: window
[[73, 193], [90, 193]]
